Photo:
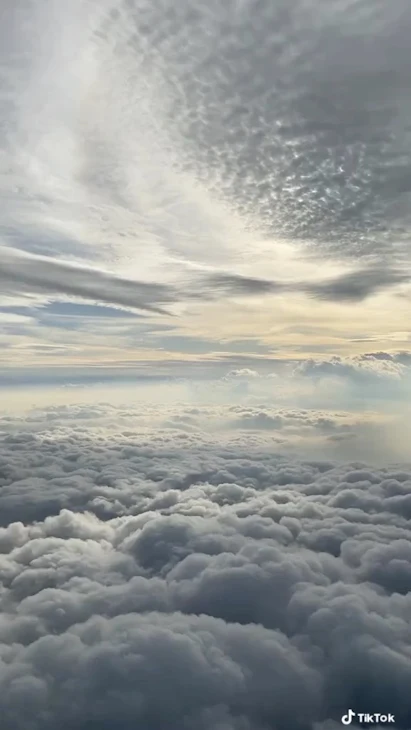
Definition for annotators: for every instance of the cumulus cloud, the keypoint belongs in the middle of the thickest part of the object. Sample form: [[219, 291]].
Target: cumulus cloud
[[259, 421], [169, 579], [241, 374], [361, 367]]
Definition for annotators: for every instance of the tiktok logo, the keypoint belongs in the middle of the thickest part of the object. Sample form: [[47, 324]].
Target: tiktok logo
[[348, 718], [366, 717]]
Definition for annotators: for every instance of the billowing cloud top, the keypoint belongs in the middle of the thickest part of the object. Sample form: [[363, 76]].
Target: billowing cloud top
[[160, 574]]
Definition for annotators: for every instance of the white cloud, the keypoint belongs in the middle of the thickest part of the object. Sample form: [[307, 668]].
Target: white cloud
[[378, 365], [241, 374]]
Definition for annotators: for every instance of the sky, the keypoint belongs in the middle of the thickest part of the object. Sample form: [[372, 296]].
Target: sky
[[205, 364], [202, 181]]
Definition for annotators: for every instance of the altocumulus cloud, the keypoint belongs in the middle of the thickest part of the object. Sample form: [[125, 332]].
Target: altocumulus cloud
[[175, 578]]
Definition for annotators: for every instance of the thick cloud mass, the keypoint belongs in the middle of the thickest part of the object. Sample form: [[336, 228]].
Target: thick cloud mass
[[175, 579]]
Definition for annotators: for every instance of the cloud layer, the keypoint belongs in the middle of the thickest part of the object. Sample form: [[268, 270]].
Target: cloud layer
[[172, 578], [27, 275]]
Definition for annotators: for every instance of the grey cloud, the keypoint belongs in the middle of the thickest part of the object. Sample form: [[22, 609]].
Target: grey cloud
[[358, 285], [178, 580], [27, 273], [294, 114], [40, 274], [232, 285], [258, 421], [355, 286], [300, 111], [199, 666]]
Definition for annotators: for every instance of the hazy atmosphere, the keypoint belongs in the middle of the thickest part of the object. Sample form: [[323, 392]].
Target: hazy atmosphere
[[205, 364]]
